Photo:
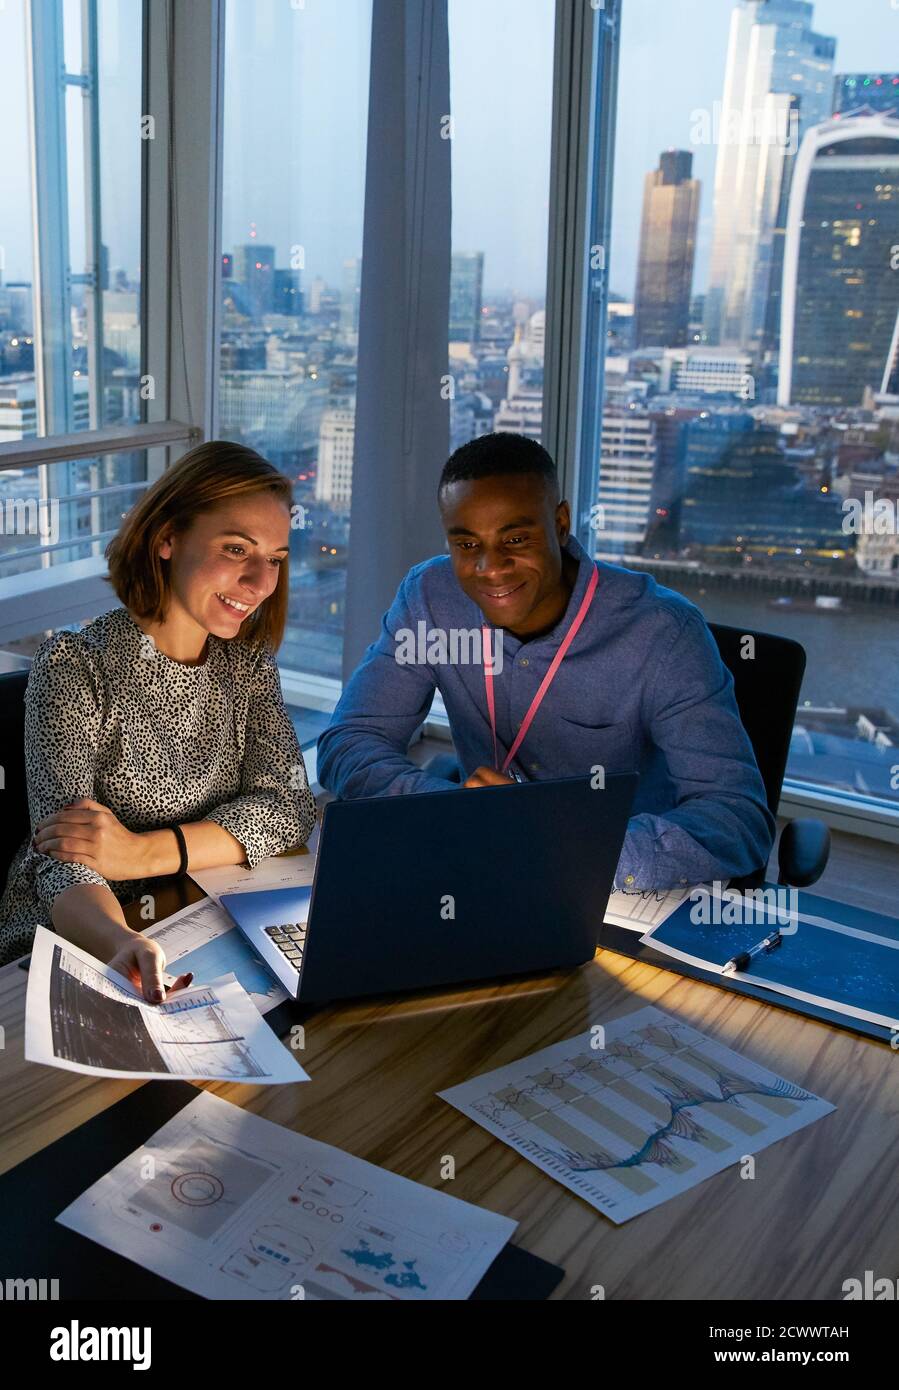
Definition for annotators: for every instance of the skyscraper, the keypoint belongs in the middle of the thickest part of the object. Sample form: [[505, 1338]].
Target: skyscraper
[[732, 465], [254, 268], [840, 291], [878, 91], [287, 295], [336, 443], [778, 83], [351, 295], [667, 252], [466, 297], [626, 476]]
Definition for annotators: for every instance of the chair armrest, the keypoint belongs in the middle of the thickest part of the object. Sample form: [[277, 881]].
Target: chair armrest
[[803, 852]]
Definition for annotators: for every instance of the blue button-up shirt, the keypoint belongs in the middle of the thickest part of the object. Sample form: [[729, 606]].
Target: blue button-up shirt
[[642, 688]]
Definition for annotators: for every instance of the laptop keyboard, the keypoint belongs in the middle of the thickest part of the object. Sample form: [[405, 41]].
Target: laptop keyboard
[[290, 938]]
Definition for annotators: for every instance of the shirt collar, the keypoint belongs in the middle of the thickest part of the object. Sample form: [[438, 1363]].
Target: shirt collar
[[586, 567]]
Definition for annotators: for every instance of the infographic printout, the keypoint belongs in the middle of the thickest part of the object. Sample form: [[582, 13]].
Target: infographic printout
[[231, 1206], [83, 1016], [632, 1114]]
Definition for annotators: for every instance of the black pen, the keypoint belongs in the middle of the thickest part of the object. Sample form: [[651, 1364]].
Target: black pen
[[740, 962]]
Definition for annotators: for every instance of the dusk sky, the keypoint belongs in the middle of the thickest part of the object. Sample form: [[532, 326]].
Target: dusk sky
[[296, 113]]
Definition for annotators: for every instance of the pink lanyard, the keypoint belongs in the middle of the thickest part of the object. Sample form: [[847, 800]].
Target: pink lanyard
[[544, 684]]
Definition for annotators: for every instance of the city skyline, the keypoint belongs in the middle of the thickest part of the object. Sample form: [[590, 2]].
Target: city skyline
[[656, 102]]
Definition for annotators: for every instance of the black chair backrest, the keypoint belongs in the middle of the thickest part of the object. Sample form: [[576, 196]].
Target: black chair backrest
[[766, 686], [16, 820]]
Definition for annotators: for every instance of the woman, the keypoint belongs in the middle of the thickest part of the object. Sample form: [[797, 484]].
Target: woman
[[156, 738]]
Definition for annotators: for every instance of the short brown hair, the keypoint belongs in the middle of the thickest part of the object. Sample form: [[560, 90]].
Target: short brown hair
[[203, 478]]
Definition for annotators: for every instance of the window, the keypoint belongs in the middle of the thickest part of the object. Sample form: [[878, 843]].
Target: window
[[501, 71], [43, 528], [70, 277], [746, 448], [70, 244], [295, 129]]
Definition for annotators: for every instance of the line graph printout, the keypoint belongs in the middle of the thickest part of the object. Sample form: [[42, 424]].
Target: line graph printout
[[645, 910], [231, 1206], [82, 1016], [203, 938], [649, 1114]]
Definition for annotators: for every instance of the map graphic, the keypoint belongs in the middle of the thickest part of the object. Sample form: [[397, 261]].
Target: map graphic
[[403, 1277], [652, 1113]]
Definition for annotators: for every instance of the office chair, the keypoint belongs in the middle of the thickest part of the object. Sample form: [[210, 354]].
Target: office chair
[[16, 819], [766, 688]]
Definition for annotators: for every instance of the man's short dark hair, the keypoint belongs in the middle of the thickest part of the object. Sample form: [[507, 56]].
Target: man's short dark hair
[[496, 455]]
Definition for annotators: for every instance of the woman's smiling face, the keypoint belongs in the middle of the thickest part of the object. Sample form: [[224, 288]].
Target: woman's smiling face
[[227, 563]]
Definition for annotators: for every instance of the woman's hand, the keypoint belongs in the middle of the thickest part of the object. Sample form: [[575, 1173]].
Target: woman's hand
[[143, 963], [84, 832]]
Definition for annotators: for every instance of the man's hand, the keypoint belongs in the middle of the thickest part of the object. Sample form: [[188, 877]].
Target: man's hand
[[84, 832], [488, 777]]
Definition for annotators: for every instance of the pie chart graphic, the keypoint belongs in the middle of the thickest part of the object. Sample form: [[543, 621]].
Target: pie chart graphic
[[197, 1189]]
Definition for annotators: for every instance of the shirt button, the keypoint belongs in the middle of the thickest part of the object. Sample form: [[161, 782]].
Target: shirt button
[[629, 878], [535, 767], [524, 661]]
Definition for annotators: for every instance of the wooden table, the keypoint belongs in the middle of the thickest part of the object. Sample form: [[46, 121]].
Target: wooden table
[[822, 1207]]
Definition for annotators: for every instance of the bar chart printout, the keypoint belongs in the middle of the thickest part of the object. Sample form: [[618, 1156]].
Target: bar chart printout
[[638, 1111]]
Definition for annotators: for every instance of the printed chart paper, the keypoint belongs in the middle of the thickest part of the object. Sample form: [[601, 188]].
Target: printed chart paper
[[204, 939], [842, 957], [295, 870], [240, 1208], [82, 1016], [644, 910], [652, 1113]]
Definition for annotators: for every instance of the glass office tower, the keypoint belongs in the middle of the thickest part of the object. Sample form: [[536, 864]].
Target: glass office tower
[[743, 497], [667, 252], [841, 292], [878, 91], [778, 83], [466, 297]]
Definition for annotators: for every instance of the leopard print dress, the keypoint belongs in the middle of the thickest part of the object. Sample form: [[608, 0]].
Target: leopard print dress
[[110, 717]]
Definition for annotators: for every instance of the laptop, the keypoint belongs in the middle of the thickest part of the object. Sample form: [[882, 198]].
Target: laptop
[[444, 888]]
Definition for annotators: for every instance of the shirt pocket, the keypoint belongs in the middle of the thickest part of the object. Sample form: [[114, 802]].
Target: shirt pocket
[[614, 747]]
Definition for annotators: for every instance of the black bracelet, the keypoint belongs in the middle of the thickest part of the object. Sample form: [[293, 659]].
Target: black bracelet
[[182, 846]]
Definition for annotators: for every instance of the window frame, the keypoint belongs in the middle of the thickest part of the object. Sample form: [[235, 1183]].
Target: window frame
[[183, 59]]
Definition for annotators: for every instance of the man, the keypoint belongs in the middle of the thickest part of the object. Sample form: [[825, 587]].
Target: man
[[640, 685]]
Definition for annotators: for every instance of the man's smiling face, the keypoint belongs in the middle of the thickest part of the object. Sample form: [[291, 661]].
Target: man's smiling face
[[505, 536]]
